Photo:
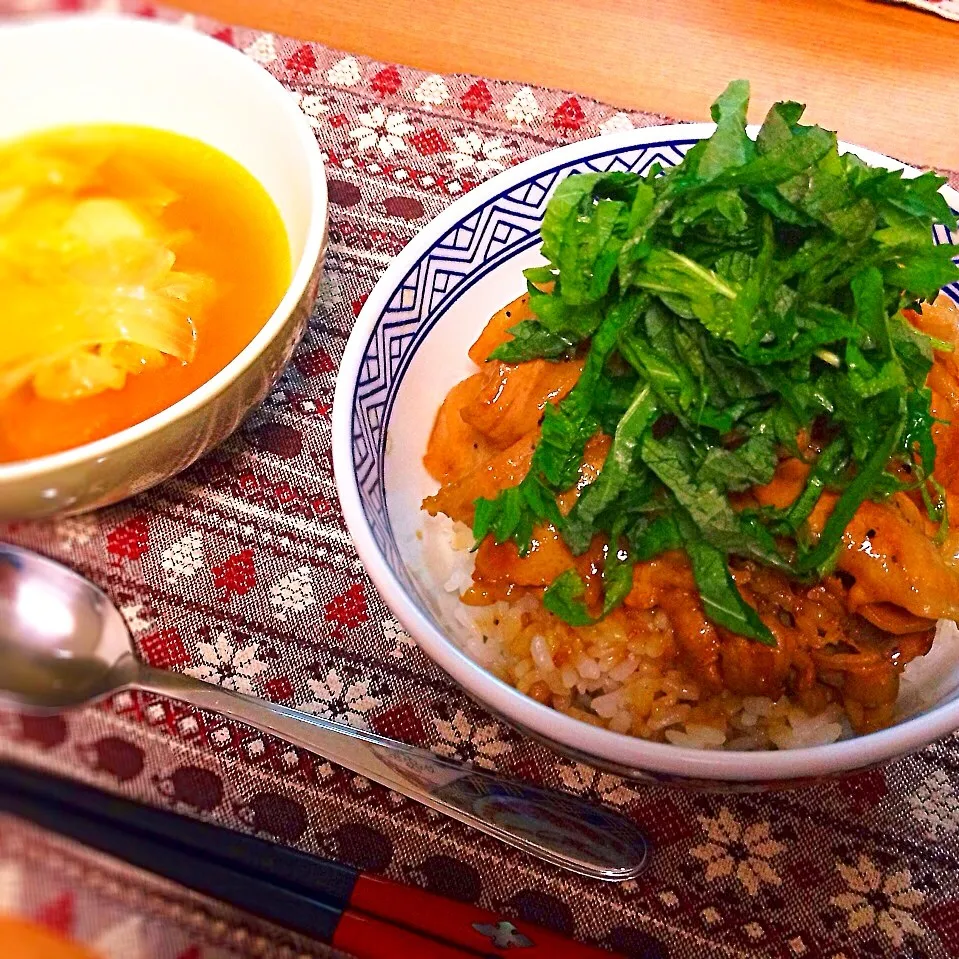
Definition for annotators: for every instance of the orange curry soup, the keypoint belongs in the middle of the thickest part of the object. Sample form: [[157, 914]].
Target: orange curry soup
[[134, 265], [26, 940]]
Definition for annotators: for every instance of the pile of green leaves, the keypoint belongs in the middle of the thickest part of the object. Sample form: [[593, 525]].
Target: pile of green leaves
[[723, 305]]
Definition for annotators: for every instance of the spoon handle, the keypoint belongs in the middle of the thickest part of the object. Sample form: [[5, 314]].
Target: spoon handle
[[561, 829]]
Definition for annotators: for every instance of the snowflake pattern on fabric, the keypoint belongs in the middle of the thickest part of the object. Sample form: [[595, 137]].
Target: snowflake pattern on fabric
[[240, 571], [340, 700], [378, 130], [462, 739], [226, 665], [735, 849], [581, 779], [874, 899], [475, 153]]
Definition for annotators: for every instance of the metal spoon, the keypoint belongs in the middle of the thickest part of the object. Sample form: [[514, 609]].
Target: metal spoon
[[64, 644]]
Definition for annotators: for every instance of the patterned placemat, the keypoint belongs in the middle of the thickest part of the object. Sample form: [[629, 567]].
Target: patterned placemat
[[241, 572]]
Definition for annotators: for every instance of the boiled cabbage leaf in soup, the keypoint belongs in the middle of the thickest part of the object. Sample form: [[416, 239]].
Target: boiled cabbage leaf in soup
[[91, 293]]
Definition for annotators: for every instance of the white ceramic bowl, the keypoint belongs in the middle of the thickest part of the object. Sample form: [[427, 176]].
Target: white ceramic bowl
[[409, 347], [95, 69]]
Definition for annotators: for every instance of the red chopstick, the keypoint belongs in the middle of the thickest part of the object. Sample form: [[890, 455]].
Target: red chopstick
[[463, 924], [367, 937]]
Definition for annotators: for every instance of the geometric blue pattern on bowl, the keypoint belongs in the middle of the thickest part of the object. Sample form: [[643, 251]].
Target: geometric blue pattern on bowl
[[503, 226]]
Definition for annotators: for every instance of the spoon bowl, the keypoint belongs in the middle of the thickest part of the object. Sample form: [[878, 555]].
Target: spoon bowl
[[63, 644]]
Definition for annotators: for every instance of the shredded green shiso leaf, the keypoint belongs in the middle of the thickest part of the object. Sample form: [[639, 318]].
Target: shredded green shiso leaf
[[725, 304]]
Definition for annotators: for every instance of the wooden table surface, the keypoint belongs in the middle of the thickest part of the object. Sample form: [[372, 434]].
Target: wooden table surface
[[884, 76]]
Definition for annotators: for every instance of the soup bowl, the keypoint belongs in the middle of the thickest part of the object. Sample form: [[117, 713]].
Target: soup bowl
[[409, 347], [112, 69]]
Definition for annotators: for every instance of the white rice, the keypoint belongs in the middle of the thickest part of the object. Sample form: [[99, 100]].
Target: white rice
[[626, 684]]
